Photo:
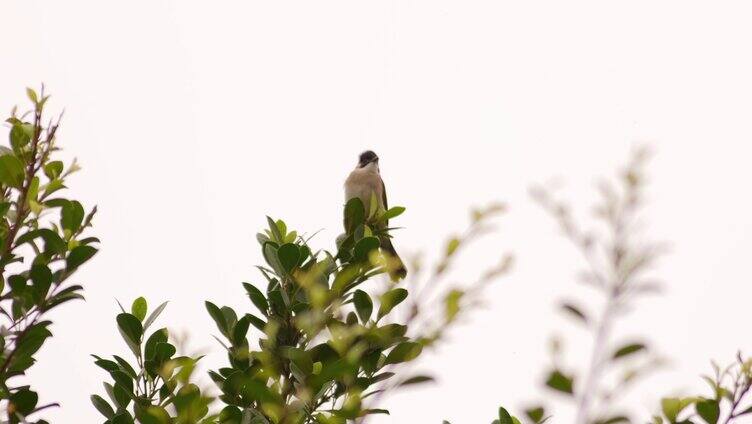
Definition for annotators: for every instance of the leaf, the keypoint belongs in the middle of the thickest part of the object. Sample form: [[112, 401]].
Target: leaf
[[709, 410], [560, 382], [536, 413], [257, 298], [671, 407], [575, 312], [131, 328], [418, 379], [354, 214], [452, 304], [363, 305], [391, 299], [628, 349], [274, 230], [364, 247], [11, 171], [154, 315], [102, 406], [53, 169], [504, 417], [404, 352], [71, 216], [288, 255], [24, 401], [79, 255], [391, 213], [138, 309], [217, 316]]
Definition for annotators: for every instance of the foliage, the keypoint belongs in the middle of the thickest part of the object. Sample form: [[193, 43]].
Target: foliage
[[158, 389], [729, 386], [41, 247], [617, 267], [330, 341]]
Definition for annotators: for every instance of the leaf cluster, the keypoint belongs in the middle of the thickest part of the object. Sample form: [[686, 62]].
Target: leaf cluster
[[158, 387]]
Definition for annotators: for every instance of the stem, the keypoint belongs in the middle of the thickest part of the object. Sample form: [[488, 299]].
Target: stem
[[596, 362]]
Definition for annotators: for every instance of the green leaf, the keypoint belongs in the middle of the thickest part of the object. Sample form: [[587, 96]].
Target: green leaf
[[11, 171], [452, 304], [391, 299], [122, 418], [24, 401], [20, 136], [257, 298], [392, 213], [363, 305], [276, 234], [671, 407], [364, 247], [404, 352], [130, 326], [53, 169], [535, 414], [79, 255], [288, 255], [102, 406], [628, 349], [709, 410], [560, 382], [217, 316], [504, 417], [355, 214], [71, 216], [138, 308], [418, 379]]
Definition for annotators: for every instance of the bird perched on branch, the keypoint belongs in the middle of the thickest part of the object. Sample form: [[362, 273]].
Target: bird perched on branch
[[365, 182]]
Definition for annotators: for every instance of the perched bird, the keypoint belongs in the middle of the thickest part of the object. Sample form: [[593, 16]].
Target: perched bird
[[363, 182]]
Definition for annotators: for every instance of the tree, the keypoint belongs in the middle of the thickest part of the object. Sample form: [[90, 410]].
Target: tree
[[42, 245]]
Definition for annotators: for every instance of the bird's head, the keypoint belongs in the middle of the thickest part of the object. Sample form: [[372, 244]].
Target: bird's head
[[367, 158]]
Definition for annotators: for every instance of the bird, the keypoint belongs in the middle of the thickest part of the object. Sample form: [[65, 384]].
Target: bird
[[364, 182]]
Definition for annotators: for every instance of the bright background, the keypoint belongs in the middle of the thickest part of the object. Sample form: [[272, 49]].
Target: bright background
[[193, 120]]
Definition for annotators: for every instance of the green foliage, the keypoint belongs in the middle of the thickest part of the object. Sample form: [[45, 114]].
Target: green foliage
[[730, 386], [41, 247], [322, 355], [157, 389]]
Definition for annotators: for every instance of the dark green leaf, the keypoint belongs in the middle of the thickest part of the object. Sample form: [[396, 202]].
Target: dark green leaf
[[560, 382], [363, 305], [628, 349], [404, 352], [79, 255], [102, 406], [288, 255], [709, 410], [130, 327], [257, 298]]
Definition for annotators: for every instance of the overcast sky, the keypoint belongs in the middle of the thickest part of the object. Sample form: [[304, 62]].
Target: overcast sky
[[194, 120]]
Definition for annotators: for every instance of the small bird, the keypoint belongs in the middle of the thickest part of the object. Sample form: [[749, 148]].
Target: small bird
[[363, 182]]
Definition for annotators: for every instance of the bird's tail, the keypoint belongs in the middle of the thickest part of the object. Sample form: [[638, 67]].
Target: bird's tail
[[396, 268]]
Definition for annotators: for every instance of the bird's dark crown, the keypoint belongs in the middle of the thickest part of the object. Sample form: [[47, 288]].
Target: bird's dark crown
[[367, 157]]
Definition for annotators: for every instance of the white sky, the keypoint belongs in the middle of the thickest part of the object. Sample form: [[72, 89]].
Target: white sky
[[193, 120]]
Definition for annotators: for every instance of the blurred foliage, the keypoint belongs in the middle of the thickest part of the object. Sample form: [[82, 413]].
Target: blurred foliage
[[41, 247], [158, 389], [331, 343], [617, 267]]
